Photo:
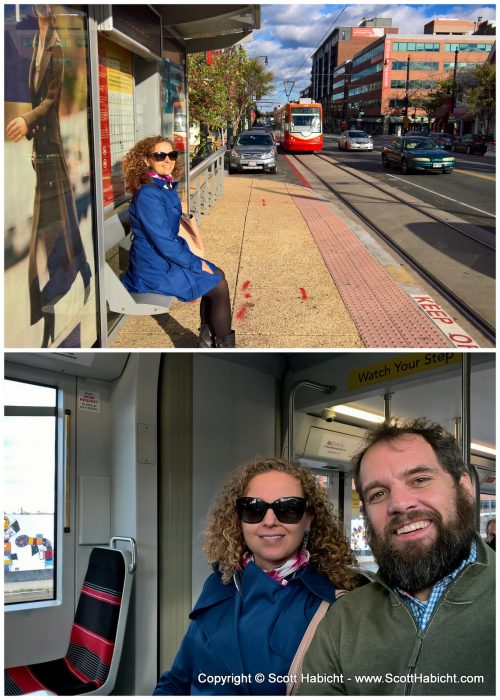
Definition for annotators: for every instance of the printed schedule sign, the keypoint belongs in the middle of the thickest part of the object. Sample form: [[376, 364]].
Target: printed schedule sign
[[116, 103]]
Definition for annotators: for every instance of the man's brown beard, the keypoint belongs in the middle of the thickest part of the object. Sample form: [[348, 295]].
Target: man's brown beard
[[413, 565]]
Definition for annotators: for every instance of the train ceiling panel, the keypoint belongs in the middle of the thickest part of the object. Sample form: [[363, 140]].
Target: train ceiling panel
[[92, 365]]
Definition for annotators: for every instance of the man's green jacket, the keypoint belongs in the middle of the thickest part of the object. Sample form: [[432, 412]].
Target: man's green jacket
[[369, 644]]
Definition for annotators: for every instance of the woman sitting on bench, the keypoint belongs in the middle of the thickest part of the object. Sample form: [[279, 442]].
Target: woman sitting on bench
[[160, 259]]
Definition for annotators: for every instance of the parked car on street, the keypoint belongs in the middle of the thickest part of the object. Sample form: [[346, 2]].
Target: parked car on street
[[418, 132], [355, 140], [443, 139], [253, 150], [471, 143], [417, 153]]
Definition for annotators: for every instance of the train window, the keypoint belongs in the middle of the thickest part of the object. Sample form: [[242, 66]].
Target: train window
[[488, 511], [30, 460], [359, 546]]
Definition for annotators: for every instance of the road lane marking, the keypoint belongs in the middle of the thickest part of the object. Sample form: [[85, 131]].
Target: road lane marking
[[468, 172], [394, 177]]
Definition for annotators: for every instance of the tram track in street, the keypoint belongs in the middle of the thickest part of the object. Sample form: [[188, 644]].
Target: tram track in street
[[459, 264]]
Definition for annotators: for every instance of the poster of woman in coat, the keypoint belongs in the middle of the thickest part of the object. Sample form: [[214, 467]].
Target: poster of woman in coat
[[49, 256]]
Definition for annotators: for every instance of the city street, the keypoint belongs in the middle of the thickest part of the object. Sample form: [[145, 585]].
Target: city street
[[468, 193]]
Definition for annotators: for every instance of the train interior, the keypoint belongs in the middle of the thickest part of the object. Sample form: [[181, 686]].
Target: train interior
[[136, 445]]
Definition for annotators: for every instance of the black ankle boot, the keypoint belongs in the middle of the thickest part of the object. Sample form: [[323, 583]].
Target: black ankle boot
[[206, 338], [228, 342]]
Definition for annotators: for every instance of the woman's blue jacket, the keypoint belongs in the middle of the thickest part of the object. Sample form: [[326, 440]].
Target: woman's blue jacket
[[235, 634], [160, 259]]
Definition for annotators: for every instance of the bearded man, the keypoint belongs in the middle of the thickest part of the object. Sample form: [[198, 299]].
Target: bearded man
[[425, 624]]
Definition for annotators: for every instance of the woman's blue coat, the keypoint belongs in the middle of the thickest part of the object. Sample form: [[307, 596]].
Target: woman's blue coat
[[211, 646], [160, 260]]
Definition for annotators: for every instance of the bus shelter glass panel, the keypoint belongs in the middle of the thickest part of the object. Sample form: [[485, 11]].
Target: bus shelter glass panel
[[30, 461], [50, 298], [174, 123]]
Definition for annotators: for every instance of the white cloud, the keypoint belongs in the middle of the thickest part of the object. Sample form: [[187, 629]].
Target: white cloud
[[290, 33]]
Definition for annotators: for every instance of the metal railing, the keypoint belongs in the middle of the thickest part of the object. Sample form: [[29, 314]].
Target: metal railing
[[206, 184]]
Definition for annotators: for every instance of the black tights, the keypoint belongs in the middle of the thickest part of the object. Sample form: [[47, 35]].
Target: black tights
[[215, 309]]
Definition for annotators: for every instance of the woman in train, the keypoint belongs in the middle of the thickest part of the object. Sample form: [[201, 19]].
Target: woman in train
[[277, 552], [161, 261]]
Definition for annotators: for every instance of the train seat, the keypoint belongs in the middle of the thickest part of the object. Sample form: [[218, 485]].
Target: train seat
[[93, 656]]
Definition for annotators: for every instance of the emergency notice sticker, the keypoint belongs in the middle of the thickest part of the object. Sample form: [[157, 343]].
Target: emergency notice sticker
[[89, 401]]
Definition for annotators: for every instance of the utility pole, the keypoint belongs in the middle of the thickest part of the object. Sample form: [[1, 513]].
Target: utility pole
[[454, 86], [407, 85], [406, 121]]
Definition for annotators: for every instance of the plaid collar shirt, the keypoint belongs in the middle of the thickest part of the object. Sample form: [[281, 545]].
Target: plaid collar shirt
[[422, 610]]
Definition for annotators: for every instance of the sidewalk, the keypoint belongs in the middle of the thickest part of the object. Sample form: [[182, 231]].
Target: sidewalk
[[298, 278], [282, 293]]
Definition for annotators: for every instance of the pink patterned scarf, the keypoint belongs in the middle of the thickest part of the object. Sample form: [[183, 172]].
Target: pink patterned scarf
[[168, 178], [281, 573]]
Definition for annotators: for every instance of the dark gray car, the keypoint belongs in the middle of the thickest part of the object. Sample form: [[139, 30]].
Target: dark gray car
[[253, 150]]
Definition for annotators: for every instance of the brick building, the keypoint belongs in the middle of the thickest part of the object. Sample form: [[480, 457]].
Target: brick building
[[339, 47], [377, 86]]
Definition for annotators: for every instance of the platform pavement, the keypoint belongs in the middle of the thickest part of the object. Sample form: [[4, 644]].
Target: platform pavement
[[298, 278]]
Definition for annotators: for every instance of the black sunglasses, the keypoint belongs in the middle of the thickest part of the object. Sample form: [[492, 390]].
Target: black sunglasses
[[288, 510], [159, 156]]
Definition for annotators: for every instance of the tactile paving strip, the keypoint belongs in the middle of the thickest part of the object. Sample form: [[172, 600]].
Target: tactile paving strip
[[384, 315]]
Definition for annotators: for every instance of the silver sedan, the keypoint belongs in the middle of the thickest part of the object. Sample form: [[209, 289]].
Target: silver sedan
[[354, 140]]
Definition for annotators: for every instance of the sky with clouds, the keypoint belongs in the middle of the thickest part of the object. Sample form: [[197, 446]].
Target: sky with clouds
[[290, 33]]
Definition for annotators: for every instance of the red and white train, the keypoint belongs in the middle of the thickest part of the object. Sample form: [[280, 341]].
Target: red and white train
[[299, 126]]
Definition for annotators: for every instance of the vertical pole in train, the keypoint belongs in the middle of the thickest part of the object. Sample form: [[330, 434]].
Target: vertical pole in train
[[466, 432], [387, 406], [326, 388]]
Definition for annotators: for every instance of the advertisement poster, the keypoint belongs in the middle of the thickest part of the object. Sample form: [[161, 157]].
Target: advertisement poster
[[50, 295]]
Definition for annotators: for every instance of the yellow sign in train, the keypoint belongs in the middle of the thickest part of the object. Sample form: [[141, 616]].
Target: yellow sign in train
[[398, 367]]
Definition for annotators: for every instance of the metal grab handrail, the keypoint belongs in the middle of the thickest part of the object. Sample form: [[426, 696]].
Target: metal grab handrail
[[207, 181], [133, 549]]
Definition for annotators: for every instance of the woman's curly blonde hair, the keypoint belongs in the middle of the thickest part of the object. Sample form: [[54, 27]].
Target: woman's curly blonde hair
[[136, 170], [224, 544]]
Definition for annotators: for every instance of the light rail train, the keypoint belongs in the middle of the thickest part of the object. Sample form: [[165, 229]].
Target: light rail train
[[300, 126], [124, 452]]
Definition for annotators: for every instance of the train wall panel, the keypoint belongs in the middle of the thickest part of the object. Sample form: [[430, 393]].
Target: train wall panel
[[234, 417]]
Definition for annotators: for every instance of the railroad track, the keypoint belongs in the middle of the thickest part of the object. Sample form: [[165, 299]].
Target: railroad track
[[458, 263]]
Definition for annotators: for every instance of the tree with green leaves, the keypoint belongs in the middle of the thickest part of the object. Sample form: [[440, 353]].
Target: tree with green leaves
[[480, 98], [221, 92]]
